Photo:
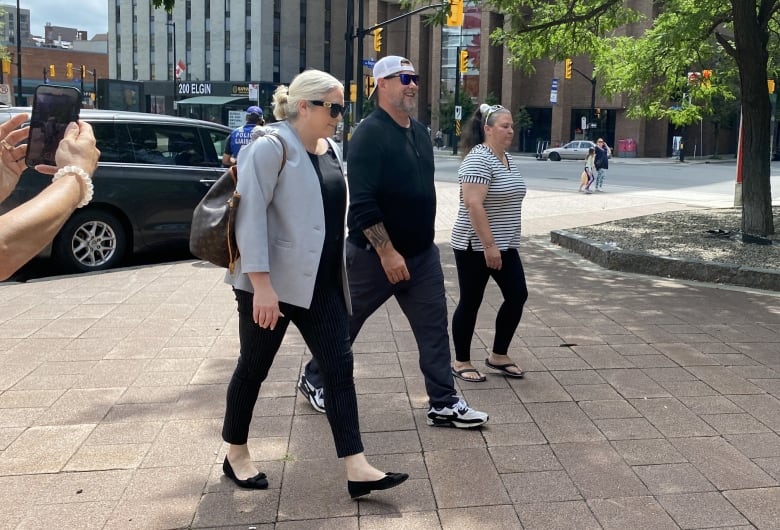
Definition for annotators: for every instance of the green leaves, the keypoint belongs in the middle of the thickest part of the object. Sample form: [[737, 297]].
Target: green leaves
[[167, 4]]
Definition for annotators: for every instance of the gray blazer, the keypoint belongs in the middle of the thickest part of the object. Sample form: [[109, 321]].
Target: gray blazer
[[280, 224]]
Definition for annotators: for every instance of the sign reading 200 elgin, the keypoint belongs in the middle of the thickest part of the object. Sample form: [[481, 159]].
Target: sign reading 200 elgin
[[194, 89]]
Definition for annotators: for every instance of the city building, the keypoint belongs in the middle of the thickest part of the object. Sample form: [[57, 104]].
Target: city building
[[9, 25], [56, 57], [218, 48]]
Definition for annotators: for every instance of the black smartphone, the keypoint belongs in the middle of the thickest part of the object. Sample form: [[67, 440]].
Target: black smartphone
[[54, 107]]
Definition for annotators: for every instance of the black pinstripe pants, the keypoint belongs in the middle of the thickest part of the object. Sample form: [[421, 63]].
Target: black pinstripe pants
[[325, 328]]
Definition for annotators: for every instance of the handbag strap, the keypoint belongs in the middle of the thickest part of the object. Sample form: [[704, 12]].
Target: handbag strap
[[284, 150], [234, 169]]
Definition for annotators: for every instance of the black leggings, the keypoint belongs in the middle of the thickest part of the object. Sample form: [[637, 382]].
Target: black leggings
[[325, 328], [473, 275]]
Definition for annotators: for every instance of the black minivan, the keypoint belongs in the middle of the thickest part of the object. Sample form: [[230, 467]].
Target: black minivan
[[153, 171]]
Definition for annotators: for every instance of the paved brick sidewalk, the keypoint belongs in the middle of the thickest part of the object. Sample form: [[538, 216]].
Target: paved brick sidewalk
[[648, 403]]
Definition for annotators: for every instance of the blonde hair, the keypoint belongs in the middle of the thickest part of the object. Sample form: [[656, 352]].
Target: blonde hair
[[306, 86]]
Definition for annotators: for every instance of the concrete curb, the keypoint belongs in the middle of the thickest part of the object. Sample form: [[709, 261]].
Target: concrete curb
[[613, 258]]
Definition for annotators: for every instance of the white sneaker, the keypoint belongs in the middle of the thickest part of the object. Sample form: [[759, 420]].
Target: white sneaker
[[456, 415], [315, 395]]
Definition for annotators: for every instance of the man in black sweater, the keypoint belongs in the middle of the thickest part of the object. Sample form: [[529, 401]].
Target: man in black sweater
[[390, 246]]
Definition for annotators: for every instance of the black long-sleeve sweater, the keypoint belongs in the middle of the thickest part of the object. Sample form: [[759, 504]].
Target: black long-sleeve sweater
[[390, 176]]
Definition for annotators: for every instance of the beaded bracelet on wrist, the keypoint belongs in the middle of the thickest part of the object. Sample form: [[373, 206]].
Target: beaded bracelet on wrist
[[84, 176]]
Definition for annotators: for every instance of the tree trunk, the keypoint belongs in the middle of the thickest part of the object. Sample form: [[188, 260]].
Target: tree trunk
[[751, 38]]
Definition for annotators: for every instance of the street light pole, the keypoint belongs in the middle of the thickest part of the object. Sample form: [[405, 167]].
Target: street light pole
[[172, 25], [592, 111], [19, 97], [349, 67]]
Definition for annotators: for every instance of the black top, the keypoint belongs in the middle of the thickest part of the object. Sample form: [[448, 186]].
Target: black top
[[390, 179], [334, 201], [602, 158]]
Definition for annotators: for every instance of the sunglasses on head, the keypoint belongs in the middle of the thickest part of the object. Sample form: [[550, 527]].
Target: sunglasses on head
[[335, 108], [491, 110], [406, 78]]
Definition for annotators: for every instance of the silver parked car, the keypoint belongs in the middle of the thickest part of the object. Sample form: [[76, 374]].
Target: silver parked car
[[576, 150]]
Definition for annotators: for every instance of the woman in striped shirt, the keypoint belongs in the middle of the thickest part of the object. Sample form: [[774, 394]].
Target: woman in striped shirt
[[486, 238]]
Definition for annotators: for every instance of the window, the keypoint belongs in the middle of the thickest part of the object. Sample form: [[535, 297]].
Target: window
[[166, 145], [277, 51], [113, 148], [213, 140]]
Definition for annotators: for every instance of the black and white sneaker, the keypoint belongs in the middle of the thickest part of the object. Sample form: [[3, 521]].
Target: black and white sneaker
[[456, 415], [315, 395]]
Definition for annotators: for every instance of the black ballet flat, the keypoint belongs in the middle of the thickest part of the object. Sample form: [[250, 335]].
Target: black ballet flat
[[360, 488], [258, 482]]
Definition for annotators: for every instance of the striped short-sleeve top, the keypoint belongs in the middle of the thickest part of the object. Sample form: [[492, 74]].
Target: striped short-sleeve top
[[503, 202]]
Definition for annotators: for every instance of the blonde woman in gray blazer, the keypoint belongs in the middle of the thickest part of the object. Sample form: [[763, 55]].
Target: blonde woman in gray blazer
[[290, 232]]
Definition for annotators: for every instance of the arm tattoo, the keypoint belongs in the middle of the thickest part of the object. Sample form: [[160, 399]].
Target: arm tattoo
[[377, 235]]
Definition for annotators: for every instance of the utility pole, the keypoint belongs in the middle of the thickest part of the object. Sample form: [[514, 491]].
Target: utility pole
[[20, 102], [349, 60], [349, 55], [592, 111], [359, 81], [455, 135], [174, 65]]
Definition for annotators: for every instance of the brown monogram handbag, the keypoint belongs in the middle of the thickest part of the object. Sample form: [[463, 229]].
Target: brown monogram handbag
[[212, 234]]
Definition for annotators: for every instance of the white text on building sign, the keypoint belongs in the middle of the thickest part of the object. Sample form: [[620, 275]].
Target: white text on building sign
[[194, 89]]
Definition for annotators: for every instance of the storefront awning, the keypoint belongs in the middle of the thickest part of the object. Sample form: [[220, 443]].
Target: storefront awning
[[209, 100]]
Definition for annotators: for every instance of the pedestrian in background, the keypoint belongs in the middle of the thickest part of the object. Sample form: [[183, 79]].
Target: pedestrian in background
[[390, 247], [486, 239], [588, 174], [241, 136], [602, 162], [290, 233]]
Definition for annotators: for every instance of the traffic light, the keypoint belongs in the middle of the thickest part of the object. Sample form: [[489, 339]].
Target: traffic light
[[51, 70], [378, 39], [368, 85], [455, 16], [353, 91], [6, 65], [83, 71], [69, 70], [463, 63], [567, 69], [706, 78]]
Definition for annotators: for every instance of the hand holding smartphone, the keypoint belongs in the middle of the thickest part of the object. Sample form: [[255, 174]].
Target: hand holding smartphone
[[54, 107]]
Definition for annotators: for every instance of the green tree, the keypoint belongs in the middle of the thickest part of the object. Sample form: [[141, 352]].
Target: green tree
[[650, 67], [167, 4]]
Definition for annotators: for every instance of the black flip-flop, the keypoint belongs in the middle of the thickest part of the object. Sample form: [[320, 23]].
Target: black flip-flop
[[459, 375], [503, 369]]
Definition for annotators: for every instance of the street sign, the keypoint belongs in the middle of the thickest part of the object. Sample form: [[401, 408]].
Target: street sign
[[554, 91], [458, 112], [5, 94], [369, 63]]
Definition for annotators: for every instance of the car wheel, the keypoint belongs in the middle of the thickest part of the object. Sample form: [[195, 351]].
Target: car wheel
[[555, 157], [91, 240]]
